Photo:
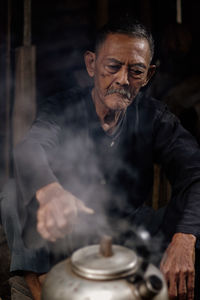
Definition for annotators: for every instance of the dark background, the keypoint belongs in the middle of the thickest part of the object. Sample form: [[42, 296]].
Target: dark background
[[63, 29]]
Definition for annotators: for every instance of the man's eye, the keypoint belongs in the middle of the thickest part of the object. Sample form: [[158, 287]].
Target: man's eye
[[114, 67], [136, 72]]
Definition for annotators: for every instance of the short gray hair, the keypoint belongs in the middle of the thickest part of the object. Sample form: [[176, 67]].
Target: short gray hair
[[125, 25]]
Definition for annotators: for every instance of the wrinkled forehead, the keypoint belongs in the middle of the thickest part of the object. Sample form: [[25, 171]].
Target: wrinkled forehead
[[124, 45]]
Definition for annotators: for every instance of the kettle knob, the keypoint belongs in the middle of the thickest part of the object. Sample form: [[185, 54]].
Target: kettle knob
[[106, 246]]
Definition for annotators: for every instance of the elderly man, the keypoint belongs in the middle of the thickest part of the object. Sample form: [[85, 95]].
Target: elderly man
[[91, 153]]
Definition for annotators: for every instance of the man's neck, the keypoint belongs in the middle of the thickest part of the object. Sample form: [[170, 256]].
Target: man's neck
[[108, 118]]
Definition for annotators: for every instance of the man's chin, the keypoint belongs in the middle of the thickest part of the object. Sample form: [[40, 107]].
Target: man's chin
[[117, 103]]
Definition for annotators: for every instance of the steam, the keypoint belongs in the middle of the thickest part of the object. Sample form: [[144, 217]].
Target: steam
[[82, 167]]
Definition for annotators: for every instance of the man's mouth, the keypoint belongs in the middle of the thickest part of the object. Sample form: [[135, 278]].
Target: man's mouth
[[124, 93]]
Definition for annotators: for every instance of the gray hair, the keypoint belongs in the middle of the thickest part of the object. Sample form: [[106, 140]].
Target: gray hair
[[126, 26]]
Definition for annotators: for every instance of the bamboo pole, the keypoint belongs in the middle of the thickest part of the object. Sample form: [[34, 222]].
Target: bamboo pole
[[8, 91]]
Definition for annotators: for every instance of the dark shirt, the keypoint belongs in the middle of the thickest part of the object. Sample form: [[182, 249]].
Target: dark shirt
[[111, 173]]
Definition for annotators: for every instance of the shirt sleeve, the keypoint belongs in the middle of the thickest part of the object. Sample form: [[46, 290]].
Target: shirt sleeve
[[179, 153], [31, 155]]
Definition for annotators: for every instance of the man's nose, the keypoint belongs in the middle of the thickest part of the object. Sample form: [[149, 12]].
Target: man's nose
[[122, 77]]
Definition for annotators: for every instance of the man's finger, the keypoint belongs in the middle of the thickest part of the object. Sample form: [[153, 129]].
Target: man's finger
[[190, 285], [172, 289], [64, 226], [182, 288], [42, 228], [83, 208], [52, 227]]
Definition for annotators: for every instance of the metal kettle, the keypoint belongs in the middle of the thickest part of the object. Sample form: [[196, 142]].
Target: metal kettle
[[104, 272]]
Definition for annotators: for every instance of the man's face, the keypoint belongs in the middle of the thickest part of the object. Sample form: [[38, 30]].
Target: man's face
[[120, 68]]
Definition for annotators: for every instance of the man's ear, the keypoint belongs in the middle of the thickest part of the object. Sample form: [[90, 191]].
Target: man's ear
[[151, 72], [90, 58]]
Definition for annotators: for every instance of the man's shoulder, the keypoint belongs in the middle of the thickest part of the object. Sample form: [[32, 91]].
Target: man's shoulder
[[151, 108], [149, 102]]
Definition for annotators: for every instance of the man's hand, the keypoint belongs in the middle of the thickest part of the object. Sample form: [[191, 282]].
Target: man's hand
[[177, 266], [58, 211]]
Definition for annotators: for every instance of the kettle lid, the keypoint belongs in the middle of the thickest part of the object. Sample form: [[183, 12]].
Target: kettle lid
[[91, 263]]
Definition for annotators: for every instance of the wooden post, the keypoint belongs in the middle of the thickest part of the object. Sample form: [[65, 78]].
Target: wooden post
[[8, 91], [178, 12], [25, 94]]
